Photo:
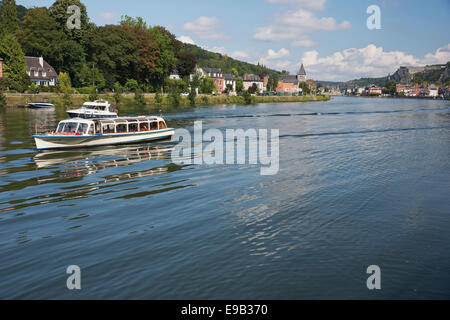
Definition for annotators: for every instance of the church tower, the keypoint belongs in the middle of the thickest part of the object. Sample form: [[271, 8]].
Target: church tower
[[301, 76]]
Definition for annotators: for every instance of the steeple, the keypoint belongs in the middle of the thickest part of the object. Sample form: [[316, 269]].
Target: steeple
[[302, 71], [301, 75]]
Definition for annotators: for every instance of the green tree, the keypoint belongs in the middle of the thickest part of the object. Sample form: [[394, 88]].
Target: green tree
[[253, 89], [139, 98], [38, 32], [65, 85], [234, 72], [2, 98], [158, 98], [239, 86], [275, 81], [14, 68], [207, 85], [118, 91], [186, 63], [8, 17], [192, 96], [391, 87], [132, 85]]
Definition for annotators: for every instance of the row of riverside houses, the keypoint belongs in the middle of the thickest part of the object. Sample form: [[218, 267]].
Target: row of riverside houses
[[416, 90], [286, 83], [39, 71]]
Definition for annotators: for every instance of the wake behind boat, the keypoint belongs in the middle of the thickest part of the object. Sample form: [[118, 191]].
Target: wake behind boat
[[96, 109], [81, 133]]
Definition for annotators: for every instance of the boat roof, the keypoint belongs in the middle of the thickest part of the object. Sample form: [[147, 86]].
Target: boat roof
[[115, 120], [96, 103]]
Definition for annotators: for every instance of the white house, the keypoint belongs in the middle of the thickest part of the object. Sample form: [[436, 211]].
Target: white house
[[251, 79], [40, 72]]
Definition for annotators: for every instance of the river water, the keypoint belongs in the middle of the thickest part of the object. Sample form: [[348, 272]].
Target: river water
[[361, 182]]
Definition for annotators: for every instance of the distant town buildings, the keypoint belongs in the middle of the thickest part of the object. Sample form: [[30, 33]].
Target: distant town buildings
[[287, 84], [40, 72]]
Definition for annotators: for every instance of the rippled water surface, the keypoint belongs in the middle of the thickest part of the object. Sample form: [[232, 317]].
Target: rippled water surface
[[361, 182]]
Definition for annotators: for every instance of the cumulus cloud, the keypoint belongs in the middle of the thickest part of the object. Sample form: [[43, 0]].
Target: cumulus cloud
[[297, 25], [371, 61], [108, 15], [309, 4], [276, 59], [271, 54], [442, 55], [205, 28], [186, 39]]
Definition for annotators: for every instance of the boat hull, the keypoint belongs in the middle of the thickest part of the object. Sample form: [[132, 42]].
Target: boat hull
[[40, 105], [54, 142]]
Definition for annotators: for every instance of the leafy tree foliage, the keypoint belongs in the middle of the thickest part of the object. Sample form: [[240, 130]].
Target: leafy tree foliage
[[14, 69], [8, 17]]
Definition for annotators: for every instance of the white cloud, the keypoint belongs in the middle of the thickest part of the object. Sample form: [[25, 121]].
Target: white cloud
[[205, 28], [271, 54], [309, 4], [442, 55], [296, 25], [371, 61], [186, 39], [276, 60], [108, 15]]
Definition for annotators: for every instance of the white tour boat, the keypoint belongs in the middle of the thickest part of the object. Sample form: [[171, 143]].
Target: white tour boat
[[81, 133], [96, 109]]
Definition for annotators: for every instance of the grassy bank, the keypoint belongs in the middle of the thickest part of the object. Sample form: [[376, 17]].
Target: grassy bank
[[17, 100]]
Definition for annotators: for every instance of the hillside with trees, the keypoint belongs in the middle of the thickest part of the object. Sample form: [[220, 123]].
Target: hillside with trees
[[132, 54], [227, 64]]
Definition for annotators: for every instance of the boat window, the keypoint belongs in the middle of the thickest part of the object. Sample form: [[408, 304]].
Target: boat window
[[82, 128], [121, 128], [60, 128], [154, 125], [91, 129], [132, 127], [143, 126], [108, 127], [162, 125], [70, 127]]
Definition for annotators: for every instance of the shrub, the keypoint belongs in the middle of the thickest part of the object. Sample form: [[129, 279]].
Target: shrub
[[192, 96], [93, 95], [2, 99], [139, 98], [247, 97], [158, 98]]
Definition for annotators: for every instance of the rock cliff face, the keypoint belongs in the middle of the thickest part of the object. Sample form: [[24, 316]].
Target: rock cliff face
[[428, 73]]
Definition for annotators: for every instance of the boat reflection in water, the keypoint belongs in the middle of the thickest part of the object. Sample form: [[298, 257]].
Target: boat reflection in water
[[90, 161]]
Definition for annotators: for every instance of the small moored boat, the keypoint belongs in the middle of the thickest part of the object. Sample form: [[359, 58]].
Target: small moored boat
[[96, 109], [40, 105], [81, 133]]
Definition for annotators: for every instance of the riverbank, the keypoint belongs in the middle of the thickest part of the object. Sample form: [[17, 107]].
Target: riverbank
[[20, 100]]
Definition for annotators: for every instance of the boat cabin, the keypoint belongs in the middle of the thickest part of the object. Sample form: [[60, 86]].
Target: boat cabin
[[110, 126], [100, 105]]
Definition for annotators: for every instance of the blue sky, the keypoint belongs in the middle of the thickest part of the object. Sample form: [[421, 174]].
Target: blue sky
[[329, 36]]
